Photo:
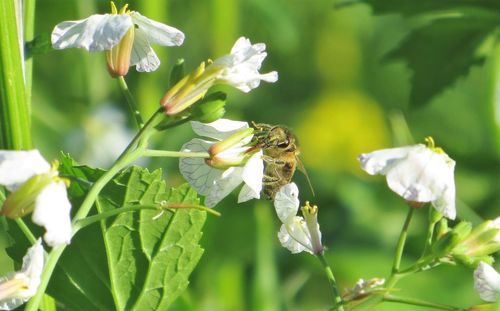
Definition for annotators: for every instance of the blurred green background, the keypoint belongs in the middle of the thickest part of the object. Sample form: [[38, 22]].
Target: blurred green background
[[340, 100]]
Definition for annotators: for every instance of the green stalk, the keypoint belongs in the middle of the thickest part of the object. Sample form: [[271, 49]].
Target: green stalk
[[14, 108], [132, 105], [333, 284], [26, 231], [29, 33], [418, 302], [175, 154], [401, 242], [131, 153]]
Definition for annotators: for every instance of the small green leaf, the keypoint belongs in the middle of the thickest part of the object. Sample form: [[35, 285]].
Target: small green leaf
[[441, 52]]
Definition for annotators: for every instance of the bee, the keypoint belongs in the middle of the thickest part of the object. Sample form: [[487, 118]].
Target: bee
[[281, 156]]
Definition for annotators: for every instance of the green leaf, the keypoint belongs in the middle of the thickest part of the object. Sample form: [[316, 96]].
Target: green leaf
[[442, 51], [136, 261]]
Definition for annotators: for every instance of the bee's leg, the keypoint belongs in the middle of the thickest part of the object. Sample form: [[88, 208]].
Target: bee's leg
[[272, 160]]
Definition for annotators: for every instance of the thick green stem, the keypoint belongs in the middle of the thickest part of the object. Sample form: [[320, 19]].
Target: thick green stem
[[333, 284], [175, 154], [401, 242], [15, 130], [131, 153], [418, 302], [134, 109]]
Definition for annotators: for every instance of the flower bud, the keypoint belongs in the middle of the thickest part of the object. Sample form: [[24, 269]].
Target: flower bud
[[118, 58], [480, 243], [310, 214], [186, 92], [210, 109], [231, 151], [22, 201]]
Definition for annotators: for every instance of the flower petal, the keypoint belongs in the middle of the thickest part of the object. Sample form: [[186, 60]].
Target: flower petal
[[487, 282], [286, 202], [16, 167], [224, 185], [156, 32], [52, 211], [197, 173], [219, 129], [294, 236], [18, 287], [143, 56], [378, 162], [95, 33], [252, 175]]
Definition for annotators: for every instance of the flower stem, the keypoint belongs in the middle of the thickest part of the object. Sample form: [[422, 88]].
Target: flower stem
[[401, 242], [418, 302], [130, 154], [175, 154], [333, 284], [130, 101], [26, 231]]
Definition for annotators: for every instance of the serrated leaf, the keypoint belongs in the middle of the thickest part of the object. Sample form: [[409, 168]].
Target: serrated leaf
[[136, 261], [442, 51], [412, 7]]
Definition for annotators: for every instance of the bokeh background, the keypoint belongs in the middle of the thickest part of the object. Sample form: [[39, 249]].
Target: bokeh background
[[340, 99]]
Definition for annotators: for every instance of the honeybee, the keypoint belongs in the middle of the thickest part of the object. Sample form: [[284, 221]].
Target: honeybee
[[281, 156]]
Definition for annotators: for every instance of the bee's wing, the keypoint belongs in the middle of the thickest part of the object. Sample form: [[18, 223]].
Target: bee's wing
[[301, 167]]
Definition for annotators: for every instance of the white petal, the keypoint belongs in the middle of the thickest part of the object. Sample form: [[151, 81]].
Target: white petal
[[52, 211], [156, 32], [16, 167], [95, 33], [219, 129], [487, 282], [24, 283], [224, 185], [143, 56], [196, 172], [378, 162], [33, 264], [247, 193], [286, 202], [295, 237]]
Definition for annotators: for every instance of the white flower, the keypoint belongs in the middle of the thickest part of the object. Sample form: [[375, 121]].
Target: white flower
[[102, 32], [229, 167], [239, 69], [487, 282], [35, 186], [16, 288], [417, 173], [297, 234]]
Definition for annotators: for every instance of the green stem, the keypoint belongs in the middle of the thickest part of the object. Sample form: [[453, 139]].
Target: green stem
[[401, 242], [134, 109], [418, 302], [26, 231], [333, 284], [175, 154], [14, 108], [131, 153], [172, 124], [29, 31]]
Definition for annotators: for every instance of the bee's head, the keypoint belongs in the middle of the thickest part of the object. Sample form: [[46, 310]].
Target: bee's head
[[281, 138]]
